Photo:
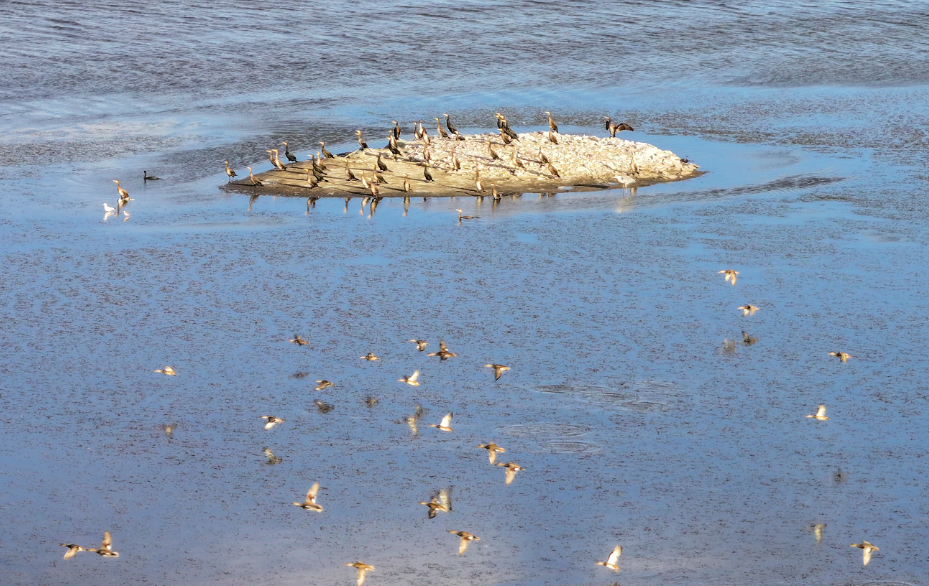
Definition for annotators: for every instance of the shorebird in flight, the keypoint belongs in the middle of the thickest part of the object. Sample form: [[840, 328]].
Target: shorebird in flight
[[866, 549], [298, 340], [499, 369], [106, 549], [363, 569], [492, 450], [511, 469], [820, 414], [612, 561], [323, 384], [370, 356], [272, 459], [841, 356], [748, 309], [730, 275], [272, 421], [420, 344], [73, 548], [443, 352], [466, 538], [445, 424], [410, 380], [310, 503], [167, 370], [435, 506]]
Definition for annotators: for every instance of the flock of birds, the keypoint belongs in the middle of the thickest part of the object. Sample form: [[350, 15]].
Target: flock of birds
[[731, 276], [441, 501]]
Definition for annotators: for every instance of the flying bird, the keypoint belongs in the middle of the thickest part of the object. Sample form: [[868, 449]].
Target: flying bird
[[298, 340], [820, 414], [492, 450], [420, 344], [410, 380], [370, 356], [271, 421], [511, 469], [730, 275], [167, 370], [499, 369], [841, 356], [73, 548], [748, 309], [612, 562], [363, 569], [310, 503], [443, 352], [323, 384], [445, 424], [866, 549], [466, 538], [106, 549]]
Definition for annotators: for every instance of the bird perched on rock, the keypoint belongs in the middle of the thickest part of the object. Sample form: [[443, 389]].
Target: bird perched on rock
[[551, 123], [614, 128], [310, 503], [327, 154], [613, 561], [252, 179], [466, 538], [449, 125], [290, 156], [229, 171], [362, 145], [427, 174]]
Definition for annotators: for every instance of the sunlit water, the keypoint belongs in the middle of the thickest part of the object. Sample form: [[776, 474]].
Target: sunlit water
[[636, 419]]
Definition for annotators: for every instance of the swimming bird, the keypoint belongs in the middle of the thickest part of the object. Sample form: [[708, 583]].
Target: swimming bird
[[445, 424], [310, 503], [123, 194], [612, 561], [449, 125], [747, 339], [730, 275], [323, 384], [866, 549], [361, 143], [427, 174], [363, 569], [820, 414], [298, 340], [106, 549], [511, 469], [439, 129], [748, 309], [435, 506], [396, 130], [410, 380], [73, 548], [551, 123], [253, 179], [499, 369], [323, 406], [290, 156], [147, 177], [841, 356], [272, 459], [443, 352], [370, 356], [420, 344], [493, 191], [271, 421], [461, 217], [414, 418], [492, 450], [466, 538], [167, 370], [108, 209], [229, 171]]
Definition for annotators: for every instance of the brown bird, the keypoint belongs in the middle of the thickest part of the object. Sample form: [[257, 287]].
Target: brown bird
[[363, 569], [748, 309], [490, 150], [613, 561], [492, 450], [370, 356], [551, 124], [322, 406], [123, 194], [443, 352], [730, 275], [167, 370], [276, 160], [543, 160], [73, 548], [396, 130], [410, 380], [551, 137], [106, 549], [866, 549], [614, 128], [349, 176], [841, 356], [298, 340], [435, 506], [323, 384], [407, 186], [511, 469], [254, 180], [420, 344], [553, 170], [456, 164], [361, 143], [427, 174], [310, 503], [439, 129], [466, 538], [271, 421], [326, 153], [820, 414], [229, 171], [381, 165], [499, 369]]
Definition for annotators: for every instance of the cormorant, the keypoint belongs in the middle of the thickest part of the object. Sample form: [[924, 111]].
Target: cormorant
[[439, 129], [290, 156], [427, 174], [326, 153], [361, 143], [230, 172], [147, 177], [551, 123]]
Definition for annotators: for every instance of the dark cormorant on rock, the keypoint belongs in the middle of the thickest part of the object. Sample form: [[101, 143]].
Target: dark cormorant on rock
[[396, 130], [361, 143], [614, 128], [380, 164], [326, 153], [439, 129], [449, 125], [551, 123], [427, 174], [290, 156]]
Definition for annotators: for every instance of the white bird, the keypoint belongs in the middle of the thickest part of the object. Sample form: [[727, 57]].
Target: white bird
[[866, 549], [612, 562], [108, 208], [410, 380], [820, 414], [445, 425]]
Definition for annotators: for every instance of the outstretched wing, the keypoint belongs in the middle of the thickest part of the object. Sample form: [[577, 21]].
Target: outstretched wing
[[614, 556], [414, 376], [447, 420], [311, 494]]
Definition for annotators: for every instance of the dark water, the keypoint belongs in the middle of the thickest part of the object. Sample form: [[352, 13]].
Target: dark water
[[635, 420]]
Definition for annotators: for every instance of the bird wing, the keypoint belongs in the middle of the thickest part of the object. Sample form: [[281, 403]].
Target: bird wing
[[614, 556], [361, 575], [821, 412], [447, 420], [311, 494], [510, 475], [107, 540], [462, 545], [866, 554], [72, 551], [412, 378], [442, 346], [445, 497]]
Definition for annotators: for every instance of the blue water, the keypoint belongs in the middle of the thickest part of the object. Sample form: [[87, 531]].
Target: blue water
[[637, 420]]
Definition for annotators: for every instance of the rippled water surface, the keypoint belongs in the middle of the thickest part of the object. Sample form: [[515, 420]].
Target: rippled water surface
[[640, 414]]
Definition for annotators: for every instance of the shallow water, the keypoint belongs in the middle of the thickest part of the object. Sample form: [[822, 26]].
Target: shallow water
[[636, 422]]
